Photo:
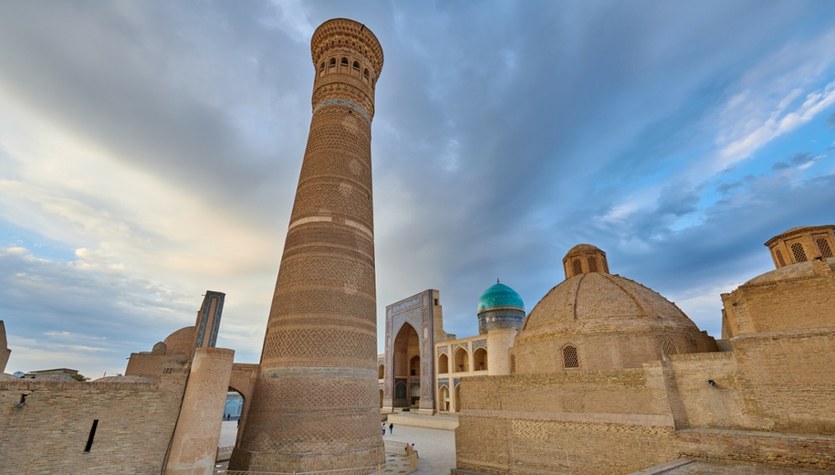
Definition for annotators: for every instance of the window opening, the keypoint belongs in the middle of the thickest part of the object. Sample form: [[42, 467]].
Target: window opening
[[344, 62], [780, 259], [91, 436], [578, 267], [322, 67], [823, 246], [799, 253], [592, 264], [365, 74], [569, 357], [332, 63], [357, 65]]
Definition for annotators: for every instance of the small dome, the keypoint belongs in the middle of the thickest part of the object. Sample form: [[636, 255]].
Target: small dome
[[181, 342], [498, 296], [583, 249]]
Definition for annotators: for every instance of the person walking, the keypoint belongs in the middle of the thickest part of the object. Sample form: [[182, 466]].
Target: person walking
[[391, 428], [383, 426]]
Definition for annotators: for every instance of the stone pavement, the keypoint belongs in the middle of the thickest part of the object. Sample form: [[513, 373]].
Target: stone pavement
[[700, 467], [436, 448]]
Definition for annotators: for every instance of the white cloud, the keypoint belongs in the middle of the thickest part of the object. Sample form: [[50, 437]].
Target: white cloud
[[291, 17], [778, 123]]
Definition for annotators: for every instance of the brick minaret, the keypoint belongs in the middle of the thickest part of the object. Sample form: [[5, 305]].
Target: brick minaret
[[315, 405]]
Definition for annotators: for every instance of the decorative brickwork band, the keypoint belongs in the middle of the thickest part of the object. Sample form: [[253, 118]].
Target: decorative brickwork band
[[342, 102]]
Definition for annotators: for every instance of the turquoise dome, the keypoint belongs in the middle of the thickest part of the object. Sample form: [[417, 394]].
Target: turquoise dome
[[500, 295]]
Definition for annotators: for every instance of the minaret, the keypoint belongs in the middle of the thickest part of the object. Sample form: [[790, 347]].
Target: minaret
[[315, 404]]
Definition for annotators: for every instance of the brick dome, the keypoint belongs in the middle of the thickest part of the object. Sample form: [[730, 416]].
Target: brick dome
[[181, 342], [599, 321], [598, 302]]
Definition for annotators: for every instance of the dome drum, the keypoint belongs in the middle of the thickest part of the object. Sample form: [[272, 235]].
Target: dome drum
[[500, 318]]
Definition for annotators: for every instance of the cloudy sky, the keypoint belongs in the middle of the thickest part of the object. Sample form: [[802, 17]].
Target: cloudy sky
[[149, 151]]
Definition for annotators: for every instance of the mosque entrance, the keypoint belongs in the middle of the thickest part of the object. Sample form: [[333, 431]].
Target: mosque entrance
[[406, 354]]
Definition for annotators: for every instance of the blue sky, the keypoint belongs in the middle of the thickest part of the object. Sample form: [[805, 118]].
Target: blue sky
[[149, 152]]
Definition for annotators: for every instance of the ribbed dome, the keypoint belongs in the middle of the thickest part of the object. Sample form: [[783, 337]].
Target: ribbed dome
[[500, 295], [595, 303]]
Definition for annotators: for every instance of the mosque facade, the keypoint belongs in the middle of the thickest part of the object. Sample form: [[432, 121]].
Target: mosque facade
[[422, 367]]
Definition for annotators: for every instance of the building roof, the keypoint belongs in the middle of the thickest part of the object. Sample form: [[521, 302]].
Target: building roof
[[799, 230], [583, 248], [499, 295], [799, 270]]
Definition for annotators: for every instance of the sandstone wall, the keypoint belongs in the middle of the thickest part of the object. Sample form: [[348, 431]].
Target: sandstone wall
[[50, 432]]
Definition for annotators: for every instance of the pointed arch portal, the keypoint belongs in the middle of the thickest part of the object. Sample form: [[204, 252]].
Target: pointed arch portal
[[406, 353]]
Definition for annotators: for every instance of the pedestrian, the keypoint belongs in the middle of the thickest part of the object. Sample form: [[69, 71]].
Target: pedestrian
[[383, 426], [391, 428]]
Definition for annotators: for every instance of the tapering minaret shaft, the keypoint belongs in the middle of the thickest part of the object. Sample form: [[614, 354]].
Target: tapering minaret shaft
[[315, 405]]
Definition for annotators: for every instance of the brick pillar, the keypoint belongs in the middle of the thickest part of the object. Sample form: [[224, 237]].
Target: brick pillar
[[194, 445], [315, 404]]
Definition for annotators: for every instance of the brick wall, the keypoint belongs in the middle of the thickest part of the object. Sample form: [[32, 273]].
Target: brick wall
[[621, 421], [49, 433], [790, 379], [719, 405]]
